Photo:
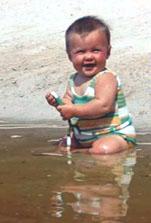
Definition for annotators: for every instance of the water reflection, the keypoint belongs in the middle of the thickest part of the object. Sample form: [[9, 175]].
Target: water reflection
[[98, 189]]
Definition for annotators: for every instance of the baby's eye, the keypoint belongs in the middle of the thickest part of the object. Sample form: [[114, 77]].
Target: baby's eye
[[96, 50], [79, 51]]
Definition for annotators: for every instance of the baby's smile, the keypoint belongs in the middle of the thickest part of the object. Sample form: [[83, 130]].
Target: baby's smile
[[89, 65]]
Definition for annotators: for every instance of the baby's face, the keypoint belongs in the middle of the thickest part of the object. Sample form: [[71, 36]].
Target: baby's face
[[89, 52]]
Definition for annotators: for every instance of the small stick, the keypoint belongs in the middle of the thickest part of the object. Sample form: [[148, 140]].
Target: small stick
[[69, 145], [144, 143], [47, 154]]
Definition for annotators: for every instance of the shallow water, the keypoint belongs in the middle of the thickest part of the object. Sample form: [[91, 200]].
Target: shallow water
[[91, 189]]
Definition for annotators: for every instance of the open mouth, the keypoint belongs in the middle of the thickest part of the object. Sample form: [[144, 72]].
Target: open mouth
[[89, 65]]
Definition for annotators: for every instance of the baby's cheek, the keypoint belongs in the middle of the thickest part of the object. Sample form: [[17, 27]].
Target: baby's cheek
[[103, 55]]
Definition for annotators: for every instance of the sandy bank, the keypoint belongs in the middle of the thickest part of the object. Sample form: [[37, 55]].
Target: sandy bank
[[33, 59]]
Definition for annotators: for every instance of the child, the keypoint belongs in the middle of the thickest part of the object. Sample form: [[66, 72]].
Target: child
[[94, 102]]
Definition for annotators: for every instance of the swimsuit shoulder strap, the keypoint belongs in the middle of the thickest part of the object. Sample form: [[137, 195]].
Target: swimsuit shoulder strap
[[93, 80], [71, 83]]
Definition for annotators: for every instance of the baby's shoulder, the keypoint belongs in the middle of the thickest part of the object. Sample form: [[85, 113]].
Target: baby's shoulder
[[72, 76], [107, 77], [106, 74]]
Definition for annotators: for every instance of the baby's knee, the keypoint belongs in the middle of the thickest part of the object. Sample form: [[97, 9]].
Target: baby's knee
[[109, 145], [100, 148]]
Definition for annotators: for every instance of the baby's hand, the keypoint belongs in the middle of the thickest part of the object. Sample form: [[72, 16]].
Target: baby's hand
[[51, 100], [66, 111]]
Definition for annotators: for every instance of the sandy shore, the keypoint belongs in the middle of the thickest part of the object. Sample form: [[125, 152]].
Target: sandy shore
[[33, 59]]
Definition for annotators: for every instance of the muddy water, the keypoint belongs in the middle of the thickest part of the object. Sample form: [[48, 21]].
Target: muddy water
[[88, 189]]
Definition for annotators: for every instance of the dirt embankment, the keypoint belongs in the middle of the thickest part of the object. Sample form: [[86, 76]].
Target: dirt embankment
[[33, 58]]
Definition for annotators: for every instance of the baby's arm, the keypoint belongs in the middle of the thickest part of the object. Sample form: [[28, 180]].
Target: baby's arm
[[104, 102], [105, 96]]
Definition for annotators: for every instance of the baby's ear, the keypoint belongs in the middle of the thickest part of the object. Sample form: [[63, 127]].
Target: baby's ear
[[109, 51]]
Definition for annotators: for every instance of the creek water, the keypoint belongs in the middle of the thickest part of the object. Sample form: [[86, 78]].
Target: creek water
[[88, 189]]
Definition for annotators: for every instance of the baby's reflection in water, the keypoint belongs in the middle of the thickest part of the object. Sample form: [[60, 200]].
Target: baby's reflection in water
[[100, 187]]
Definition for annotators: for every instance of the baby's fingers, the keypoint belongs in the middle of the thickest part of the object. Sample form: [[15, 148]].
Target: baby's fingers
[[50, 99]]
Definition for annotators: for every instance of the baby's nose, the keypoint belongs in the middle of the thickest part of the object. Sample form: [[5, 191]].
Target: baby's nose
[[89, 56]]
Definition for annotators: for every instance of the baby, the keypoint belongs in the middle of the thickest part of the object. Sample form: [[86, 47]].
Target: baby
[[94, 102]]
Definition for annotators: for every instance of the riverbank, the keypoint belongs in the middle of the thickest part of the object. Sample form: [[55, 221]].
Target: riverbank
[[33, 58]]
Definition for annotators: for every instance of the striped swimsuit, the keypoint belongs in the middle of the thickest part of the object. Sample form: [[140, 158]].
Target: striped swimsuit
[[88, 130]]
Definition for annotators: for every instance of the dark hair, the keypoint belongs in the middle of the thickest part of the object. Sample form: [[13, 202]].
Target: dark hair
[[87, 24]]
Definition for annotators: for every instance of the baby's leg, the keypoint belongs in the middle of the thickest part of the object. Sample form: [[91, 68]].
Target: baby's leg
[[109, 145]]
